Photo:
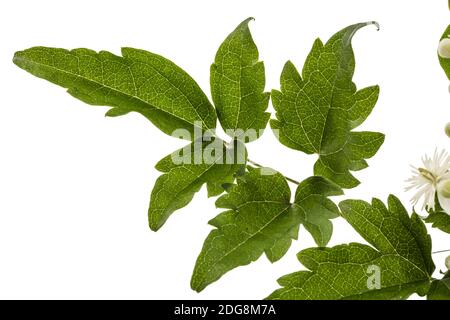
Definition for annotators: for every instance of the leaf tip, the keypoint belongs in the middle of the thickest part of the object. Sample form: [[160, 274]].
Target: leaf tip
[[154, 224], [196, 285], [289, 64], [154, 227], [350, 31], [18, 58], [344, 205], [244, 24], [375, 23]]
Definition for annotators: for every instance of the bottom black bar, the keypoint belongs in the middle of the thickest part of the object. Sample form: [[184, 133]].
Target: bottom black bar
[[217, 309]]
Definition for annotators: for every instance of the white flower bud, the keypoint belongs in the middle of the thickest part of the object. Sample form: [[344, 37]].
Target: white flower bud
[[444, 188], [447, 128], [447, 262], [444, 48]]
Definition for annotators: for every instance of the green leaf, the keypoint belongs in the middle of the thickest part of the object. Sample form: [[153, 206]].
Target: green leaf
[[397, 264], [376, 224], [440, 289], [316, 111], [315, 209], [186, 170], [438, 218], [259, 214], [237, 85], [445, 62], [262, 220], [138, 81]]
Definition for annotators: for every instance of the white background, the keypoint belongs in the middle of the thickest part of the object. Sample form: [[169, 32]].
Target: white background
[[75, 186]]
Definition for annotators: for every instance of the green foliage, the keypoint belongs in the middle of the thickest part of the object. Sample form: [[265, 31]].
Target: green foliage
[[260, 219], [317, 110], [400, 252], [316, 113], [438, 218], [138, 81], [200, 163], [259, 213]]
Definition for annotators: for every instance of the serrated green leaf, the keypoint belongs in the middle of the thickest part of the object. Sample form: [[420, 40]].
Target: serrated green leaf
[[138, 81], [237, 85], [391, 230], [398, 264], [342, 272], [440, 289], [262, 220], [196, 164], [259, 214], [316, 111]]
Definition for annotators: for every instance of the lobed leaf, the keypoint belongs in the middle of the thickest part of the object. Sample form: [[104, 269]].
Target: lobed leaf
[[316, 111], [401, 254], [259, 214], [260, 220]]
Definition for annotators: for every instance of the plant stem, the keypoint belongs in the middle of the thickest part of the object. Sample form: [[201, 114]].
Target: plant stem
[[441, 251], [256, 164], [261, 166]]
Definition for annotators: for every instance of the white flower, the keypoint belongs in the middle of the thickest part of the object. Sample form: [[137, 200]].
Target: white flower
[[431, 179]]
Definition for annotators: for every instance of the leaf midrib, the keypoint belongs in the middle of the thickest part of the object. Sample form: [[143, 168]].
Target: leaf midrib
[[116, 90], [240, 244], [331, 101]]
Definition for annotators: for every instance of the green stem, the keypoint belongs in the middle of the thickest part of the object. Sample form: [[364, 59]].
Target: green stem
[[261, 166], [441, 251], [256, 164]]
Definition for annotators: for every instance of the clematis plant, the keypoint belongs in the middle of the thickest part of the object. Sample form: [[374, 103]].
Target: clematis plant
[[316, 112]]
